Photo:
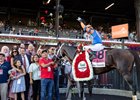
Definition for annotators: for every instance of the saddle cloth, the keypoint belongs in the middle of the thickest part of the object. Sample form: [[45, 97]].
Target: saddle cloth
[[99, 59]]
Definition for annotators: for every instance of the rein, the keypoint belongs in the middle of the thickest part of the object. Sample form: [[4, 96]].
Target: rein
[[59, 50]]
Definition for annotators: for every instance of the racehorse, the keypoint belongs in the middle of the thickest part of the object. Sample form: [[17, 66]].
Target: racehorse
[[120, 59]]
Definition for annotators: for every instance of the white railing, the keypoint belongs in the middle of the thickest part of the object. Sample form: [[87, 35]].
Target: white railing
[[18, 38]]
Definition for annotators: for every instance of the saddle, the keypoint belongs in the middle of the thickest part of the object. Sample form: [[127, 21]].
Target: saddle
[[92, 54]]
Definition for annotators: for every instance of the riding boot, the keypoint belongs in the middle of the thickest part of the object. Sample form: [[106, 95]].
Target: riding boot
[[92, 54]]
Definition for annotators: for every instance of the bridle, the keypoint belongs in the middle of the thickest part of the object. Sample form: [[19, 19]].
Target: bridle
[[61, 53], [59, 50]]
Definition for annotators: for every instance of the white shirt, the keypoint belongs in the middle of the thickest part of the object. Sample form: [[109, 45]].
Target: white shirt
[[50, 56], [68, 69], [34, 68], [27, 63]]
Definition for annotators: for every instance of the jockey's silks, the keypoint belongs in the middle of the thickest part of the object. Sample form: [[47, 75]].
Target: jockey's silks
[[95, 38]]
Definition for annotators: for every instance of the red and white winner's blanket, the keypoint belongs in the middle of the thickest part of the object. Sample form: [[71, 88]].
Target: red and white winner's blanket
[[82, 68]]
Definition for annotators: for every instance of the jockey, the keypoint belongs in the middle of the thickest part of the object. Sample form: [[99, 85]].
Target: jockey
[[95, 37]]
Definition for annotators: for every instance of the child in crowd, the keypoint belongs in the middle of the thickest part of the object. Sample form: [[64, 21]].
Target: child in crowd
[[17, 74]]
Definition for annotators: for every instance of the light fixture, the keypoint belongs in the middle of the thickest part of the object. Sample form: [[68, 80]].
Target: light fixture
[[84, 11], [109, 6], [48, 1]]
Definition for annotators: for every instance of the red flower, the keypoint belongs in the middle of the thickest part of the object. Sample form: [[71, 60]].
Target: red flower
[[46, 11], [42, 18], [43, 21]]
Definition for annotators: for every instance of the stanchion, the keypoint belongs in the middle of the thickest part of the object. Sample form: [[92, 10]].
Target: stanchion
[[134, 94], [134, 97]]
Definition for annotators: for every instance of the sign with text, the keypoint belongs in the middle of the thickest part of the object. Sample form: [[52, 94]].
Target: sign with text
[[120, 31]]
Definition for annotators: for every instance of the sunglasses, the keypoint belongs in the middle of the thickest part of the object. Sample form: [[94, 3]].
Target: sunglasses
[[52, 49], [14, 51]]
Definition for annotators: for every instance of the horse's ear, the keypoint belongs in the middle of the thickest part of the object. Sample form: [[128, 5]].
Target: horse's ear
[[59, 44]]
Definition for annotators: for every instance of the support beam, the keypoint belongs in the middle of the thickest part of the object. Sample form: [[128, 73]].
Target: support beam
[[137, 10], [57, 18]]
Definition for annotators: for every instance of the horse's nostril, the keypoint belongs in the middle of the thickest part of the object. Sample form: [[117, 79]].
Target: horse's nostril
[[63, 55], [60, 57]]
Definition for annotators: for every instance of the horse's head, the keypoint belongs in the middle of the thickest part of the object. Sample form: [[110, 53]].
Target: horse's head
[[65, 50]]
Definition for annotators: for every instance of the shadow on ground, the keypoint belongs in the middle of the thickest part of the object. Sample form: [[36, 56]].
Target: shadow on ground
[[96, 97]]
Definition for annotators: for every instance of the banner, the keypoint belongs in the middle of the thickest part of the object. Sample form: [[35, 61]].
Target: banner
[[120, 31]]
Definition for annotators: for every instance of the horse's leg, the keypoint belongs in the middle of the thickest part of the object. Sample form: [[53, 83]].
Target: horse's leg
[[127, 75], [78, 87], [82, 90], [89, 84], [129, 81], [68, 91]]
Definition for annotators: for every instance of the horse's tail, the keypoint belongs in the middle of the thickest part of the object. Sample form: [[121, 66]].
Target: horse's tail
[[137, 63]]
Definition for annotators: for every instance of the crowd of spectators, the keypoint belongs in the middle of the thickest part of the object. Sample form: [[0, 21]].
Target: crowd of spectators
[[27, 72], [64, 31]]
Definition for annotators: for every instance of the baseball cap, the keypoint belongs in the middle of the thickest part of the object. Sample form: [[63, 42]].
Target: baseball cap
[[2, 54], [44, 51]]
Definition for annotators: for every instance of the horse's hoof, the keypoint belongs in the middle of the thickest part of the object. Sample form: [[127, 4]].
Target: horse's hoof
[[84, 98], [90, 95]]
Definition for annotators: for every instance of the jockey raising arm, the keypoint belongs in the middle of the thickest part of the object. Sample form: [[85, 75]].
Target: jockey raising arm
[[94, 37], [87, 28]]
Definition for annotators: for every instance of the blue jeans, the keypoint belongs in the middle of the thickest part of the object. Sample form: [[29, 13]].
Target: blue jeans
[[46, 84], [56, 84]]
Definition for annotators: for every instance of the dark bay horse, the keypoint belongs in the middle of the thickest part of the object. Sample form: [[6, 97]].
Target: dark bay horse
[[120, 59]]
